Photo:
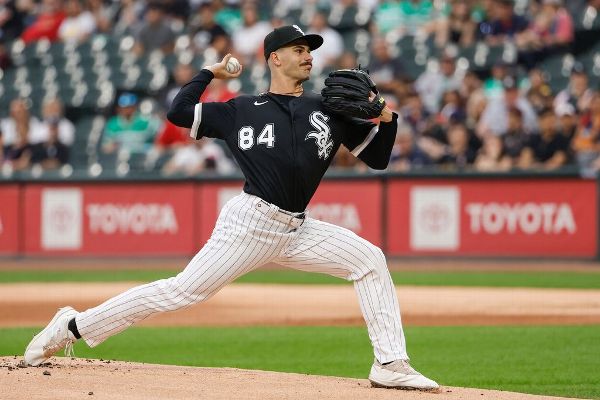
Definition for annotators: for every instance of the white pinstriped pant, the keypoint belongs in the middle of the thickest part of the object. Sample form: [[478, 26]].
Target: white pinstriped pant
[[244, 238]]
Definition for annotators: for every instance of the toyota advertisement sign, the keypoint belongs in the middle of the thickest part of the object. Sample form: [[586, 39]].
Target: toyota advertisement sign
[[110, 219], [505, 217], [525, 217]]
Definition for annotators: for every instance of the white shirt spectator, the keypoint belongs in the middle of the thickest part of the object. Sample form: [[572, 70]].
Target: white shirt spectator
[[432, 85], [77, 28], [249, 39], [9, 131], [66, 132], [331, 49], [564, 98], [495, 116], [193, 158]]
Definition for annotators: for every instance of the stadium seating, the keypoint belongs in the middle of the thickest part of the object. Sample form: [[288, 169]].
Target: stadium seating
[[88, 76]]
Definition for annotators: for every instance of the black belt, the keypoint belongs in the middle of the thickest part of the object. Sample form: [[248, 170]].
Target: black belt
[[287, 217]]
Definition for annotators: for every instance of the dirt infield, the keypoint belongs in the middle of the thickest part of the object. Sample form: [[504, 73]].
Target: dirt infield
[[33, 304], [67, 379]]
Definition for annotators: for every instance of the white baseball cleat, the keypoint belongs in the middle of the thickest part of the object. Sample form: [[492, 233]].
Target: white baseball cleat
[[54, 337], [399, 375]]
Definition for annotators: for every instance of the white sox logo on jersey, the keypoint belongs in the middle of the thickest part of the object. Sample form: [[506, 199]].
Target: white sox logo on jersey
[[322, 134]]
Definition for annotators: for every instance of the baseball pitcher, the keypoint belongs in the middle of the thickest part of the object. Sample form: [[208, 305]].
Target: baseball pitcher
[[283, 141]]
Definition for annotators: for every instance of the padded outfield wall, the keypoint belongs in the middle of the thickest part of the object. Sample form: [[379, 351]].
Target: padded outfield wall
[[467, 215]]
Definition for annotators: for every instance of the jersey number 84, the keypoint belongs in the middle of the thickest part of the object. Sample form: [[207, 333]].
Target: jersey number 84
[[246, 137]]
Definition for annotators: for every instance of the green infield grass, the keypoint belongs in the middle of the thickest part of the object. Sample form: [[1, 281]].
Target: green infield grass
[[546, 279], [550, 360]]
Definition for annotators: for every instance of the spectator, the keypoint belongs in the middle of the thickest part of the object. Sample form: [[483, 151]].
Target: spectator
[[476, 105], [504, 23], [128, 131], [388, 17], [248, 40], [539, 92], [578, 92], [493, 86], [12, 20], [548, 150], [19, 123], [199, 156], [332, 47], [348, 60], [406, 17], [220, 47], [460, 152], [217, 91], [434, 82], [491, 157], [129, 16], [586, 142], [103, 15], [414, 113], [47, 22], [453, 108], [154, 33], [205, 30], [52, 153], [495, 116], [170, 136], [406, 155], [550, 32], [481, 11], [416, 17], [515, 139], [177, 11], [78, 25], [386, 71], [52, 111], [458, 28], [470, 84], [228, 17], [182, 74], [18, 153], [567, 120]]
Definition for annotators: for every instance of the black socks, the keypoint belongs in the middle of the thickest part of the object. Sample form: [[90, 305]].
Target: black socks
[[73, 329]]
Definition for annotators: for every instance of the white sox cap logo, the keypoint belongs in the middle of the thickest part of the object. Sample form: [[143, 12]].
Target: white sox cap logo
[[298, 29], [322, 135]]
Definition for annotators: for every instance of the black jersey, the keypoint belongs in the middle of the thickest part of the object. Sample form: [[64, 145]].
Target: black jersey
[[283, 144]]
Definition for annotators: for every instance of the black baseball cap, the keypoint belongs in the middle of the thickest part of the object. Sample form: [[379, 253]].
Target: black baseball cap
[[287, 34]]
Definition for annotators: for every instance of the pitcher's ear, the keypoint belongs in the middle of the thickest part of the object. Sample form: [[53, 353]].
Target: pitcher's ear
[[275, 59]]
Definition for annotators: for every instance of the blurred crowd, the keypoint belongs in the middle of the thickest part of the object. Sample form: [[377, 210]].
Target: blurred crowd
[[454, 116]]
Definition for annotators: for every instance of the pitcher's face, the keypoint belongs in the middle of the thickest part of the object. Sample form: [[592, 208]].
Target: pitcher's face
[[296, 60]]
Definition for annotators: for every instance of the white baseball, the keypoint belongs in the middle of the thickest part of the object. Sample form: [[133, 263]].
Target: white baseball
[[233, 65]]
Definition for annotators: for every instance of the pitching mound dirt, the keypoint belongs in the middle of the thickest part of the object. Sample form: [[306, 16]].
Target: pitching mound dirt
[[95, 379]]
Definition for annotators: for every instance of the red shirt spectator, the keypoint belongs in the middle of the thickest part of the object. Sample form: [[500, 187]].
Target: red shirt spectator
[[171, 135], [47, 23], [217, 92]]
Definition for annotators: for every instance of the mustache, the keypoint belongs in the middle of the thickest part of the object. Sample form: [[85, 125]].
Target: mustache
[[306, 63]]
